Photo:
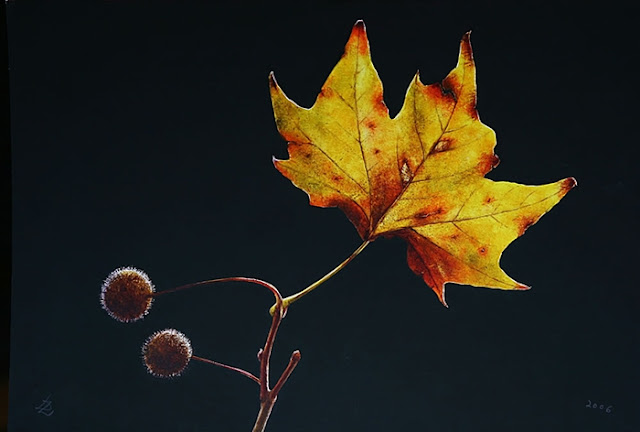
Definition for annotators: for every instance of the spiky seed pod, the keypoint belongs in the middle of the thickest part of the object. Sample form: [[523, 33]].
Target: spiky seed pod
[[166, 353], [126, 294]]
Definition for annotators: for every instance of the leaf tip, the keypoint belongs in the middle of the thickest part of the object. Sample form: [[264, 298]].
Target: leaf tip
[[568, 184], [440, 294], [273, 84], [358, 38], [522, 287], [466, 52]]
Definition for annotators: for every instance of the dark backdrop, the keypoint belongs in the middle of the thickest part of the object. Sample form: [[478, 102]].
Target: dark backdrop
[[143, 134]]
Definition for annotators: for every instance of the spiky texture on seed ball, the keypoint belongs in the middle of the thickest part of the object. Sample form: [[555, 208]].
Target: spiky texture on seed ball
[[126, 294], [166, 353]]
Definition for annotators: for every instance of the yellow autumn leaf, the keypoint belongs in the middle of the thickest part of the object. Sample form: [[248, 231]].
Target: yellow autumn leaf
[[418, 176]]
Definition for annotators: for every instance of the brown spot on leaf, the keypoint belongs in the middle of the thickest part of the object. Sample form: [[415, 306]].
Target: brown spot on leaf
[[336, 178], [482, 250], [489, 200], [448, 87], [429, 212], [371, 125], [405, 173], [379, 105], [524, 222], [376, 150], [488, 162], [442, 145], [326, 92]]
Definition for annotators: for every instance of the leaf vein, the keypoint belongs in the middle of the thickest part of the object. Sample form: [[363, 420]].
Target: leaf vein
[[492, 214], [338, 166], [331, 187]]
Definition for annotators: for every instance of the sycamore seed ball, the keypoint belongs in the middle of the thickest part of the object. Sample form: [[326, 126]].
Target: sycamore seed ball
[[166, 353], [127, 294]]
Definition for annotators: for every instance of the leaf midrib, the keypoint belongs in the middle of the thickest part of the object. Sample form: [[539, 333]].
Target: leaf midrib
[[410, 182]]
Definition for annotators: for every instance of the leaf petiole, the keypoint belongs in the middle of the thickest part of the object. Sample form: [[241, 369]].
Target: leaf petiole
[[295, 297]]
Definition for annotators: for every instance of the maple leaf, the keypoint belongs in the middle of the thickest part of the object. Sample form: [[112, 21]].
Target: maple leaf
[[418, 176]]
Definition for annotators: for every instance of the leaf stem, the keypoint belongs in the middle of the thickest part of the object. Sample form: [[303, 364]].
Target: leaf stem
[[267, 285], [222, 365], [287, 301]]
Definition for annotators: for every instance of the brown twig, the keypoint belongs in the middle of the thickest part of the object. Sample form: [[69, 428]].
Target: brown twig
[[268, 396]]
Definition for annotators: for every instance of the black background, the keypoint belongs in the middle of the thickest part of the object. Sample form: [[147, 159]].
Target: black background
[[142, 134]]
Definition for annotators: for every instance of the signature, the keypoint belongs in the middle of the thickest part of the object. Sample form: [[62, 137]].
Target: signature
[[46, 407]]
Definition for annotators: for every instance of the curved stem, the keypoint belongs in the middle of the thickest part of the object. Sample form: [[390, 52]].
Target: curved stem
[[295, 297], [265, 353], [222, 365], [267, 285]]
